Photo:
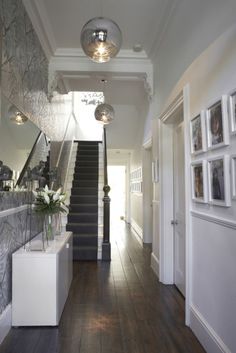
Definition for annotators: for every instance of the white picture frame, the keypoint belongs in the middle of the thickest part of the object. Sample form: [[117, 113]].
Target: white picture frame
[[217, 124], [233, 176], [232, 111], [219, 181], [199, 181], [198, 134]]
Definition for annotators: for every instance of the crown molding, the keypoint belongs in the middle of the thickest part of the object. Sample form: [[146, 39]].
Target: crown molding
[[78, 52], [38, 16], [168, 12]]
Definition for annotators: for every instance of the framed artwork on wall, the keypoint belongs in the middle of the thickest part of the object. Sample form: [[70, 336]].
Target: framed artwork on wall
[[233, 175], [217, 124], [232, 111], [219, 181], [199, 181], [198, 134]]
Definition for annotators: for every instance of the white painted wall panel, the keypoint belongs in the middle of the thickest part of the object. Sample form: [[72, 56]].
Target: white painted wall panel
[[213, 277]]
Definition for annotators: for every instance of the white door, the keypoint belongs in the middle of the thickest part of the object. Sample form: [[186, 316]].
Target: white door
[[179, 208]]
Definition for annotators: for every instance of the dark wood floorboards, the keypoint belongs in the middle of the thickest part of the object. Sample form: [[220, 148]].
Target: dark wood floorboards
[[116, 307]]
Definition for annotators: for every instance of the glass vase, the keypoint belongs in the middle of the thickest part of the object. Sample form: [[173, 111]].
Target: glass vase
[[49, 227]]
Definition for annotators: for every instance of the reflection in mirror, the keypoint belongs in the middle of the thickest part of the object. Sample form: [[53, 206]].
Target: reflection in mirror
[[18, 136]]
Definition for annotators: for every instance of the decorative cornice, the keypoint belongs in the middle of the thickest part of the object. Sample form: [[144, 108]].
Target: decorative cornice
[[167, 15], [172, 107], [56, 84]]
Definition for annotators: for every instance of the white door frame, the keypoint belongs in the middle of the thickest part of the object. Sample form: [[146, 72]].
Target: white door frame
[[147, 198], [166, 231]]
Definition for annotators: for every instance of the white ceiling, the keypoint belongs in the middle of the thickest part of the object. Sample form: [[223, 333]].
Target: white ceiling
[[58, 24]]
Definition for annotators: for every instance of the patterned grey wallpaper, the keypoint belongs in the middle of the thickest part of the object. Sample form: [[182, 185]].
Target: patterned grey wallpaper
[[24, 81], [25, 71]]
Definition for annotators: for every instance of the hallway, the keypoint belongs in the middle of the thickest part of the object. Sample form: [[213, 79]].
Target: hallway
[[116, 307]]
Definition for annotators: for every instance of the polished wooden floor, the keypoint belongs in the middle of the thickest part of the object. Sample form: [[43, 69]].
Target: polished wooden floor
[[116, 307]]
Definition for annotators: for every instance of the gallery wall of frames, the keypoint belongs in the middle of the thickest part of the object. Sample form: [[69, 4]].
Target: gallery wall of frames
[[213, 175], [136, 179]]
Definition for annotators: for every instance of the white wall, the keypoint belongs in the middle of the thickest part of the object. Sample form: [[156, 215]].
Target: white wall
[[213, 238], [193, 26]]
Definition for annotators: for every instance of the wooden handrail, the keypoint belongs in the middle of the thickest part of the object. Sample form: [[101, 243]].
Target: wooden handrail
[[106, 247], [29, 158]]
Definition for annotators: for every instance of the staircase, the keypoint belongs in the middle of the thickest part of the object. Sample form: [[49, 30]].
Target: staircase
[[83, 215]]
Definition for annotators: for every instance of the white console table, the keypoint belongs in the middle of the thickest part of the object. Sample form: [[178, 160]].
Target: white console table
[[41, 282]]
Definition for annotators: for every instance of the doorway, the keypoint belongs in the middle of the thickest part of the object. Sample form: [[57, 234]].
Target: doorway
[[117, 183], [179, 205], [175, 196]]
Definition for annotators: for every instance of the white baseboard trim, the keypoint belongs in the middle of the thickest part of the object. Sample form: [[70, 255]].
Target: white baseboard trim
[[137, 231], [155, 264], [205, 333], [5, 322]]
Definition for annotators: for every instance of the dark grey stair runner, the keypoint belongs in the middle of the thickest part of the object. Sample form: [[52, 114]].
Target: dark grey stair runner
[[83, 214]]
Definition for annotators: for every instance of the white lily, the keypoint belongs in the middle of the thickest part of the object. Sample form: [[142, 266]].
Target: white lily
[[56, 197], [46, 198], [58, 191], [62, 198]]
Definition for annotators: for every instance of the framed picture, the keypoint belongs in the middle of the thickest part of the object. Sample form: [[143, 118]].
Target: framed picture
[[232, 111], [199, 181], [198, 134], [233, 175], [219, 181], [217, 124]]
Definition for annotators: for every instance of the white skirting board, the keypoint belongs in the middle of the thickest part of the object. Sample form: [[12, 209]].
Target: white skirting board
[[155, 264], [205, 333], [5, 322], [137, 231]]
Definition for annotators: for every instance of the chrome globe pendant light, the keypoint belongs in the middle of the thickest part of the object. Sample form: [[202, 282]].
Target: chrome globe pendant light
[[101, 39], [16, 116], [104, 113]]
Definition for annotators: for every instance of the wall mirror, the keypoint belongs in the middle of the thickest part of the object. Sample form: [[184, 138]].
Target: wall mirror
[[21, 141]]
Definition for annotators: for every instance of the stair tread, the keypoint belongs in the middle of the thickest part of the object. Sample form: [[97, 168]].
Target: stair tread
[[83, 223], [84, 213], [84, 234], [82, 204], [85, 247]]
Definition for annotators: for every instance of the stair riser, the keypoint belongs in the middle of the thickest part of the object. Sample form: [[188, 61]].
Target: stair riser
[[84, 229], [86, 177], [86, 170], [84, 241], [82, 218], [85, 183], [84, 191], [87, 146], [83, 208], [92, 158], [83, 199], [86, 163]]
